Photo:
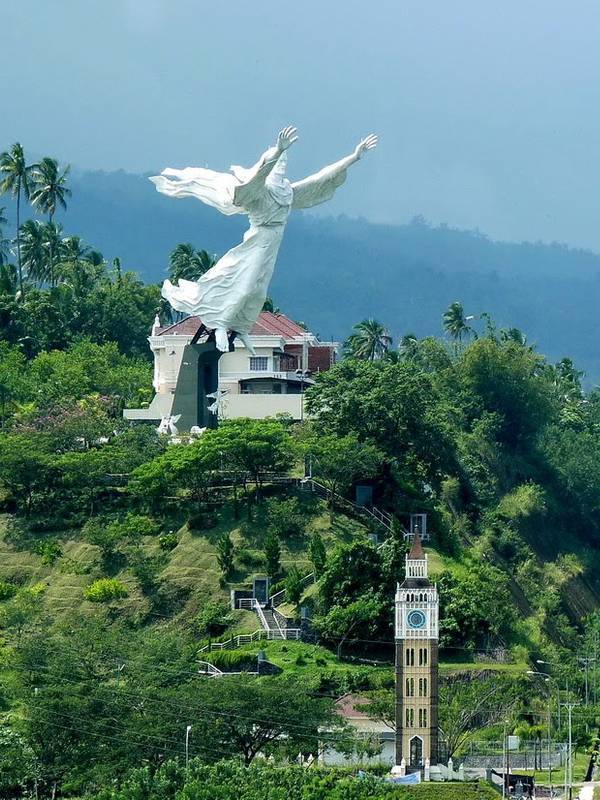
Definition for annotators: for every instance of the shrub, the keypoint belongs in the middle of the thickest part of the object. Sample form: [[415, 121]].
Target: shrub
[[168, 541], [50, 550], [214, 619], [7, 590], [202, 521], [284, 517], [136, 525], [250, 559], [231, 660], [104, 590]]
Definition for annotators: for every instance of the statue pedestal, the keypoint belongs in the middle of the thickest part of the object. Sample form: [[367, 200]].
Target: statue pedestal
[[198, 377]]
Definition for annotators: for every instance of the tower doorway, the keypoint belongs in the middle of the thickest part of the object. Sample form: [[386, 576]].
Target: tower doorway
[[416, 751]]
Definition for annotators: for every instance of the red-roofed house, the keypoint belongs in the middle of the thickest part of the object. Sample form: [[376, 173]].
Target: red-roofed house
[[262, 385]]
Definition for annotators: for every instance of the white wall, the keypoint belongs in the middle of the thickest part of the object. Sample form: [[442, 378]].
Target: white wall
[[259, 406]]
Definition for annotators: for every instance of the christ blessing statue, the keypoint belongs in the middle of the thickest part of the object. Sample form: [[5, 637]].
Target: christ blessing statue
[[231, 294]]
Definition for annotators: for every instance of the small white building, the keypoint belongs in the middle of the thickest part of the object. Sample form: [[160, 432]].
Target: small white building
[[378, 737], [272, 381]]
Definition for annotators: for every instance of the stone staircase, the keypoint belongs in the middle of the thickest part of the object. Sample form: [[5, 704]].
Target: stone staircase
[[270, 624]]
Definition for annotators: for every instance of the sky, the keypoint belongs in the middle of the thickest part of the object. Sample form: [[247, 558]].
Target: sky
[[488, 112]]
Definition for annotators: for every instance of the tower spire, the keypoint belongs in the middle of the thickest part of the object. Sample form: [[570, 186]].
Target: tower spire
[[416, 550], [416, 560]]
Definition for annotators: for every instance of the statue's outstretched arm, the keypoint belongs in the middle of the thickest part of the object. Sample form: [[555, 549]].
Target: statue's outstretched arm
[[260, 171], [321, 186]]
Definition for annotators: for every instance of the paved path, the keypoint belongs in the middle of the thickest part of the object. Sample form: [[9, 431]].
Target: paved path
[[586, 792]]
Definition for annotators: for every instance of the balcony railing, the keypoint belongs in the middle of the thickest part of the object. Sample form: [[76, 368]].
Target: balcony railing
[[266, 373]]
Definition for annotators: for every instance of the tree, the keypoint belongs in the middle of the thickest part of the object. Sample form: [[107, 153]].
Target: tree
[[272, 553], [31, 248], [225, 554], [253, 447], [456, 323], [317, 553], [340, 621], [188, 263], [25, 468], [50, 191], [469, 703], [284, 516], [381, 706], [271, 715], [22, 610], [18, 768], [82, 474], [293, 585], [339, 461], [409, 345], [474, 607], [353, 570], [511, 381], [370, 340], [4, 243], [16, 177], [399, 408], [13, 379]]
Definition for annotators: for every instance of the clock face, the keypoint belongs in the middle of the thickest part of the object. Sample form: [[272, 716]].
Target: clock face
[[416, 619]]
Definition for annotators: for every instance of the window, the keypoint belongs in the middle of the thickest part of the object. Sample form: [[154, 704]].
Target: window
[[259, 363], [410, 687], [422, 718], [410, 717], [422, 656], [410, 657], [422, 687]]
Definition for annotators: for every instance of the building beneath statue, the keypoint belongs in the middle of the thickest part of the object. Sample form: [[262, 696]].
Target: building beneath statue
[[416, 637], [272, 381]]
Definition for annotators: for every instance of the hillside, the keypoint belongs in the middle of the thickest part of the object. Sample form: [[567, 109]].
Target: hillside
[[334, 272], [121, 548]]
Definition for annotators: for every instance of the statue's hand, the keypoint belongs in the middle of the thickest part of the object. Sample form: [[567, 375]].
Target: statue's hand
[[368, 143], [286, 138]]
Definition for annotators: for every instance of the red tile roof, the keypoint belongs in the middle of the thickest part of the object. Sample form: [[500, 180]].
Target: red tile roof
[[267, 324], [348, 706], [185, 327]]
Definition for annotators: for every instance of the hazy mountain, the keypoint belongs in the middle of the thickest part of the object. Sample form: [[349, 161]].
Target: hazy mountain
[[334, 272]]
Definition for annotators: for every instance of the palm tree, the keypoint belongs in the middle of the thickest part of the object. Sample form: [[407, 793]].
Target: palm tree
[[4, 243], [455, 322], [370, 340], [188, 263], [409, 346], [49, 193], [513, 335], [268, 305], [32, 250], [79, 265], [9, 280], [16, 174]]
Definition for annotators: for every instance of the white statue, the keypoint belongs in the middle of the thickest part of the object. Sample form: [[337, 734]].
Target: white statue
[[167, 425], [230, 295]]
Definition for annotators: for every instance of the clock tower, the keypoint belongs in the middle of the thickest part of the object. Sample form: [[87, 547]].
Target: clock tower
[[416, 636]]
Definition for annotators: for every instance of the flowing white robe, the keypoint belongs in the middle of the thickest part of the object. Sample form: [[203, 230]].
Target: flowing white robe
[[231, 294]]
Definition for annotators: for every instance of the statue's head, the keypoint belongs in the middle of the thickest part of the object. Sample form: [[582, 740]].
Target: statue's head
[[277, 183]]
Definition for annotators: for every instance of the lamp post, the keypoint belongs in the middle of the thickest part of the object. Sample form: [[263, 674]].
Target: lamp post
[[586, 662], [569, 765], [187, 746], [547, 679]]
